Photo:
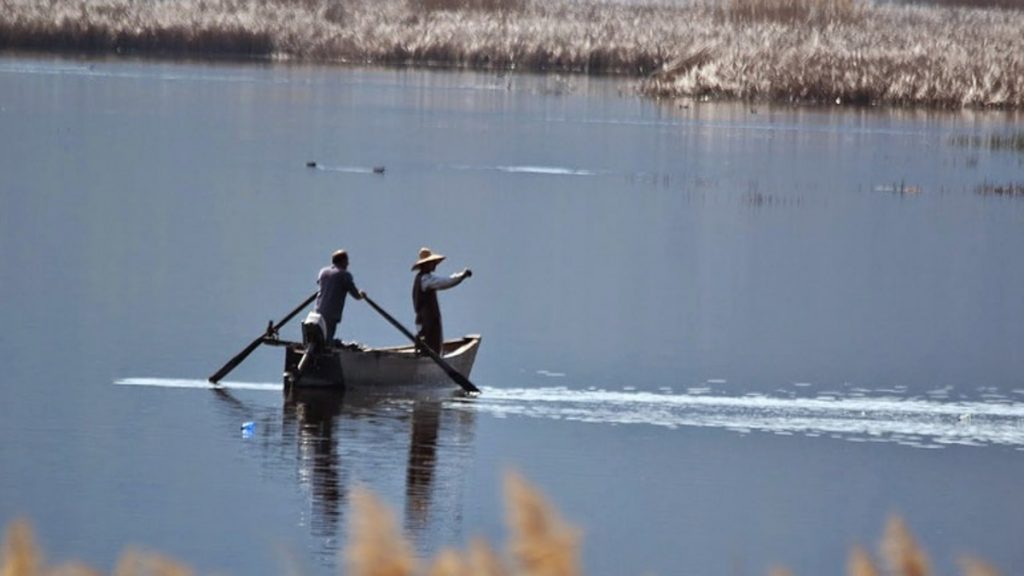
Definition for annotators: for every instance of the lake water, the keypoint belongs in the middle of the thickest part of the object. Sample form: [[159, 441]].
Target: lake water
[[718, 337]]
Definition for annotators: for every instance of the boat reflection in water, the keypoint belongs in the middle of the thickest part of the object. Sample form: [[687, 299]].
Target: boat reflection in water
[[332, 442]]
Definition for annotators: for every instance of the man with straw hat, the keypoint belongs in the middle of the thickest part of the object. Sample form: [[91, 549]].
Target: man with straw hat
[[424, 297], [335, 284]]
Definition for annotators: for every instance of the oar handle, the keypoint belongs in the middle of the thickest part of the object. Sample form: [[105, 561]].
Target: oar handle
[[391, 319], [452, 373], [271, 330], [298, 309]]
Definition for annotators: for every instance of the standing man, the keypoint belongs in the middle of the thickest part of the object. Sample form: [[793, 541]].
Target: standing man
[[335, 283], [424, 297]]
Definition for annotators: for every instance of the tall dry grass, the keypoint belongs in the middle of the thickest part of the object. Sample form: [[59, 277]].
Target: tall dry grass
[[802, 12], [878, 55], [1007, 4], [540, 544], [860, 563], [21, 557], [825, 51], [492, 6]]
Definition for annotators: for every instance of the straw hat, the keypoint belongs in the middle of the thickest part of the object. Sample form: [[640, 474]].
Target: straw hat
[[427, 256]]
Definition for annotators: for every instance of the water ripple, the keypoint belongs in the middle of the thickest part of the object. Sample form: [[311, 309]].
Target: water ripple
[[185, 383], [925, 423]]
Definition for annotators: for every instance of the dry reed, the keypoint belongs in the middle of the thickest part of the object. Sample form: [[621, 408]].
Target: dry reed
[[137, 563], [860, 563], [1009, 190], [802, 12], [20, 556], [821, 51], [480, 560], [902, 554], [976, 567], [540, 544], [1007, 4], [493, 6], [377, 547]]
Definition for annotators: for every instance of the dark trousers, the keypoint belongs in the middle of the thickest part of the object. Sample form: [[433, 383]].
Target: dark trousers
[[332, 327], [430, 334]]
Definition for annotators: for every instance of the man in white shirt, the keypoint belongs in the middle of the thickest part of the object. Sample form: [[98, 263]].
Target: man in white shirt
[[424, 297]]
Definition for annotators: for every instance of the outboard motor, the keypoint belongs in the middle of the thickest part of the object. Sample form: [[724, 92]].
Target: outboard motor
[[314, 330], [314, 338]]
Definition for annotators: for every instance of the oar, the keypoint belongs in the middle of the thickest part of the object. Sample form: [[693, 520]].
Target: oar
[[451, 372], [271, 330]]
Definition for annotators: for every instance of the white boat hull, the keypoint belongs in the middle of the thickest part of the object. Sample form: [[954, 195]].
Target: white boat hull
[[354, 367]]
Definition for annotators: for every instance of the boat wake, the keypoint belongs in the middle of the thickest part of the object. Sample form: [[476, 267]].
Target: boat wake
[[350, 169], [182, 383], [922, 423], [909, 421], [529, 169], [548, 170]]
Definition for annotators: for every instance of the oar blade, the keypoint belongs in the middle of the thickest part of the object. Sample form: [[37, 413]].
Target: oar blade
[[463, 381], [234, 362], [271, 332]]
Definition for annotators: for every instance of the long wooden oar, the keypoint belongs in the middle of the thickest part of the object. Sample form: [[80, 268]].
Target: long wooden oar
[[448, 369], [271, 330]]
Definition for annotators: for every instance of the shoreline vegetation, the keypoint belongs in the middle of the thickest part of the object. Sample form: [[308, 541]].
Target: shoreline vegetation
[[947, 54], [540, 544]]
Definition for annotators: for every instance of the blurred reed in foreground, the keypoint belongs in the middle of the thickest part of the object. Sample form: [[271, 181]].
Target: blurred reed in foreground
[[540, 544], [818, 51]]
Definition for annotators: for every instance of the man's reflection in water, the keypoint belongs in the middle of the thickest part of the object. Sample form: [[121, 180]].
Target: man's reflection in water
[[440, 447], [311, 415], [340, 437], [419, 477], [322, 420]]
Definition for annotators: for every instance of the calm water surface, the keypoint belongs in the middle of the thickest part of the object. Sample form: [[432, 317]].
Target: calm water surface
[[718, 337]]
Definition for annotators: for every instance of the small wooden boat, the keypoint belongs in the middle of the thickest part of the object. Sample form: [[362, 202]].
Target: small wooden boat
[[352, 366], [318, 362]]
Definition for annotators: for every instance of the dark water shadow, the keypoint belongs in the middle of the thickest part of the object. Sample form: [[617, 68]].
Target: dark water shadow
[[320, 437]]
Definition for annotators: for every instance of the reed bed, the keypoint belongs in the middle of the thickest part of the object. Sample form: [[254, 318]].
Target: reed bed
[[800, 12], [540, 544], [1007, 190], [819, 51], [1007, 4], [1014, 142], [877, 55]]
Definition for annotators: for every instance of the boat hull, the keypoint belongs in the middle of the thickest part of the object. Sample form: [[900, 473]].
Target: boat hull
[[355, 367]]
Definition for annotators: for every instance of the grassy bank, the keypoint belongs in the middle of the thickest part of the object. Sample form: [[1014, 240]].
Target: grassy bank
[[540, 544], [823, 51]]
